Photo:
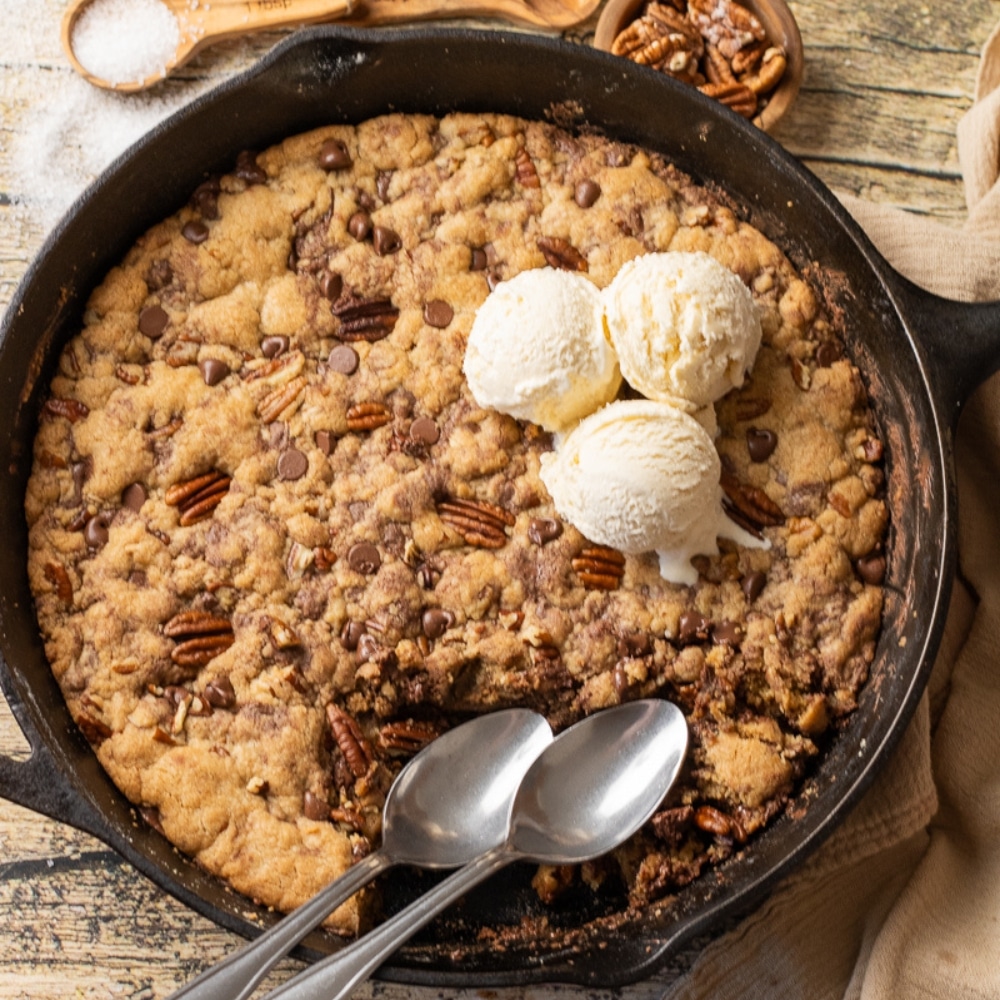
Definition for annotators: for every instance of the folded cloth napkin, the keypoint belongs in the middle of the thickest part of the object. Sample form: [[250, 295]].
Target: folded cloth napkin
[[904, 900]]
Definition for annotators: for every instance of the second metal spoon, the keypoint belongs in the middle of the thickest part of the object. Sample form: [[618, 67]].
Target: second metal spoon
[[449, 805]]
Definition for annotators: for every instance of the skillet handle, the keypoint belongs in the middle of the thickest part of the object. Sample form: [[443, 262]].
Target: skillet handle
[[39, 784], [962, 340]]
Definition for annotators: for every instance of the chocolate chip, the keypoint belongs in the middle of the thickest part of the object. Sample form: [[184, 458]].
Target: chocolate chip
[[438, 313], [81, 472], [437, 621], [96, 531], [324, 441], [195, 231], [343, 359], [331, 285], [368, 647], [827, 353], [273, 347], [350, 635], [692, 627], [871, 568], [359, 225], [134, 496], [213, 371], [153, 321], [314, 807], [220, 693], [382, 182], [363, 557], [544, 529], [333, 155], [386, 241], [248, 169], [479, 260], [586, 193], [206, 198], [727, 634], [292, 464], [635, 644], [138, 578], [761, 443], [753, 583], [423, 430]]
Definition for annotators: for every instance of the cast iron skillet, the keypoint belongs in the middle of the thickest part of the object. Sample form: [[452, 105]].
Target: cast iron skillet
[[920, 357]]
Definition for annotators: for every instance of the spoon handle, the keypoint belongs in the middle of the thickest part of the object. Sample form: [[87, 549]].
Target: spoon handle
[[335, 977], [236, 977], [212, 22]]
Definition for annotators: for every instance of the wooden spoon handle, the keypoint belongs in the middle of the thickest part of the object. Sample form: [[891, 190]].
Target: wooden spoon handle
[[543, 13], [204, 24]]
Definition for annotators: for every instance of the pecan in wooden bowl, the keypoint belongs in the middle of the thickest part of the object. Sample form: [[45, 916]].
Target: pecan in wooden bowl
[[745, 53]]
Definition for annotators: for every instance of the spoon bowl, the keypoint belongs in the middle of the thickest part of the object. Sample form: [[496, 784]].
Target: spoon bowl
[[199, 25], [586, 793], [449, 804]]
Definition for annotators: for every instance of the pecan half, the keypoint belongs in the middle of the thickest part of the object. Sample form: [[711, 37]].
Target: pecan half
[[351, 740], [58, 576], [200, 637], [407, 737], [367, 416], [196, 498], [348, 816], [72, 409], [478, 522], [734, 95], [93, 728], [524, 169], [282, 401], [599, 567], [364, 319], [561, 253], [749, 506]]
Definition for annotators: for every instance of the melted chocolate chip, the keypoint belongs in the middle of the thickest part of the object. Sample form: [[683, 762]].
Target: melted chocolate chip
[[195, 231], [160, 275], [350, 635], [343, 359], [827, 353], [360, 225], [382, 182], [292, 464], [96, 532], [134, 496], [363, 557], [438, 313], [220, 693], [544, 529], [331, 285], [273, 347], [752, 584], [634, 645], [333, 155], [213, 371], [437, 621], [153, 321], [479, 260], [81, 472], [586, 193], [138, 578], [368, 647], [692, 627], [324, 441], [761, 443], [248, 169], [871, 568], [727, 634], [314, 807], [423, 430], [386, 241]]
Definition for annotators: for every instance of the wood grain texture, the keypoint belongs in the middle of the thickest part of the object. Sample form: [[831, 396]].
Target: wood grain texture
[[884, 88]]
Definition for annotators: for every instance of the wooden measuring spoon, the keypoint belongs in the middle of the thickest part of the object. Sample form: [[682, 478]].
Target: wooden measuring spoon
[[202, 24]]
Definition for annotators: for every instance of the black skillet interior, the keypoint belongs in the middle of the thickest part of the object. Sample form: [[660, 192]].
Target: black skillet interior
[[341, 75]]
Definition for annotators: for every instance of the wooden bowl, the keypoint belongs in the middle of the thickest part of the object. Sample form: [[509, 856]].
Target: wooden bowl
[[778, 23]]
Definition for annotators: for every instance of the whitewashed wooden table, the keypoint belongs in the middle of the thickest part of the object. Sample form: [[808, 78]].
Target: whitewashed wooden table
[[885, 85]]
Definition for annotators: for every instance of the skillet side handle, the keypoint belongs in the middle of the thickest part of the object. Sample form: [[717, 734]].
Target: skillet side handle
[[39, 784], [962, 341]]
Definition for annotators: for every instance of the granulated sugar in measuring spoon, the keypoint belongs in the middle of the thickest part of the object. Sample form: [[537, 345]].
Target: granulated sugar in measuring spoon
[[586, 793], [127, 45], [449, 805]]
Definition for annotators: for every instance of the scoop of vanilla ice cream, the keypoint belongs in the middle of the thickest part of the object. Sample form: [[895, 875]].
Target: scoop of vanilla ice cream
[[538, 349], [685, 327], [643, 476]]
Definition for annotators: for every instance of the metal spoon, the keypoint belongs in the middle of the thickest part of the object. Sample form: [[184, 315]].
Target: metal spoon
[[591, 789], [202, 24], [445, 808]]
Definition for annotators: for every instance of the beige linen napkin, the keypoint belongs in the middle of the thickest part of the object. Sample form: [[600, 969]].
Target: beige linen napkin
[[904, 900]]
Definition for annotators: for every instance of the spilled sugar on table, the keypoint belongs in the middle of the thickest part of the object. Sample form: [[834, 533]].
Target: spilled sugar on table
[[884, 88]]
